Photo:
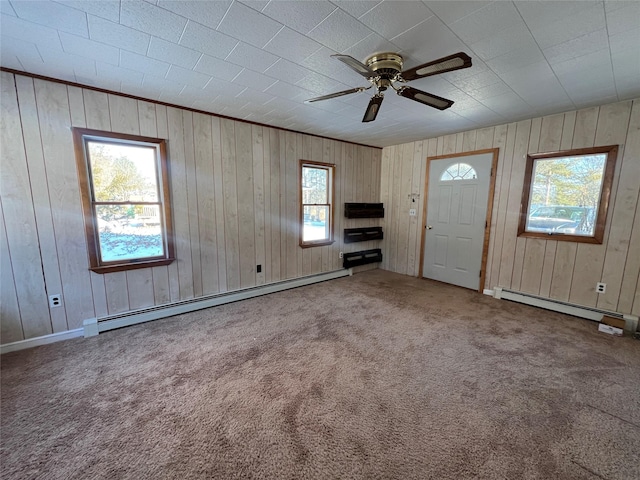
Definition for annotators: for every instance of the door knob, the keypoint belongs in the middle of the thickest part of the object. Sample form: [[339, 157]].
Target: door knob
[[429, 227]]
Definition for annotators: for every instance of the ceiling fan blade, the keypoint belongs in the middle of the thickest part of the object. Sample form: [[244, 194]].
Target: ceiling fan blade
[[425, 98], [373, 108], [356, 65], [442, 65], [337, 94]]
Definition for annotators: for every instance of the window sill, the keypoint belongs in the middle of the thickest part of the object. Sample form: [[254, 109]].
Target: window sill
[[316, 244], [120, 267], [561, 237]]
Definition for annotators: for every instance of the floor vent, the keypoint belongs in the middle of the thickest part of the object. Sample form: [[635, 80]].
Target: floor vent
[[595, 314]]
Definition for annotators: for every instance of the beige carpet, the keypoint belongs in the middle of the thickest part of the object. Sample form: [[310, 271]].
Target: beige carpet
[[374, 376]]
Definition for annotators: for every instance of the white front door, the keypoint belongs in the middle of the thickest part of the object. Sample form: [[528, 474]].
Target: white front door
[[457, 197]]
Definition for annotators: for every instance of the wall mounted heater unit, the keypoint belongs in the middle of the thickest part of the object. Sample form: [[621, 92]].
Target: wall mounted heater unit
[[595, 314]]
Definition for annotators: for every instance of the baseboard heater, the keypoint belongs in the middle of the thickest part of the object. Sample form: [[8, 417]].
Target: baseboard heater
[[94, 326], [595, 314]]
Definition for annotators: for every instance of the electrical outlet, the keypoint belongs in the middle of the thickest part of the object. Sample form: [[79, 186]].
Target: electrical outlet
[[601, 287], [55, 300], [340, 255], [412, 212]]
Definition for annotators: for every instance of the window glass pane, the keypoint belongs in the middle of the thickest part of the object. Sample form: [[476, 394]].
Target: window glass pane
[[565, 193], [316, 223], [129, 231], [459, 171], [123, 173], [315, 185]]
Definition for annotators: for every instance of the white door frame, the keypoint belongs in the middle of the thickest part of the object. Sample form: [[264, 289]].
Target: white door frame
[[487, 230]]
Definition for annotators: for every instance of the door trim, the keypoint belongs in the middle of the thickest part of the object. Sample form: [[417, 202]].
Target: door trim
[[487, 230]]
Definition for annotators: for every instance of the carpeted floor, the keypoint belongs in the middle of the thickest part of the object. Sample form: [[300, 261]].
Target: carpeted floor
[[372, 376]]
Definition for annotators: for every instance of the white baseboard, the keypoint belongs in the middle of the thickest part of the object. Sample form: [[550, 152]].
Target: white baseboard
[[595, 314], [44, 340], [489, 292]]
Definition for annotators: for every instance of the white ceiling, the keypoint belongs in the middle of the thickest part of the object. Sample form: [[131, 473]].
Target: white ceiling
[[259, 60]]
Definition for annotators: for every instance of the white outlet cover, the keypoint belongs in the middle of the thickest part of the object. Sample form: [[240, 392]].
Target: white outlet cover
[[412, 212]]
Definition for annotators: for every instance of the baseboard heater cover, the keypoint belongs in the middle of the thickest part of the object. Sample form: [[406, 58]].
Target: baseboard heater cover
[[595, 314], [94, 326]]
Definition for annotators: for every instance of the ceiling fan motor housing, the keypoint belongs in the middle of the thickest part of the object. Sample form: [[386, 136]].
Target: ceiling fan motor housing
[[387, 65]]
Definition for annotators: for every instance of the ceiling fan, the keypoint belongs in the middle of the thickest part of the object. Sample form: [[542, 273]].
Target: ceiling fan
[[383, 70]]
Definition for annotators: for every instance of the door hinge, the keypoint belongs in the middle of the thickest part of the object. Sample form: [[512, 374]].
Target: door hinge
[[486, 224], [480, 273]]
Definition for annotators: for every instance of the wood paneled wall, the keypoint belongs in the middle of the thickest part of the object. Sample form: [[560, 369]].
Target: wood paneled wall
[[559, 270], [234, 198]]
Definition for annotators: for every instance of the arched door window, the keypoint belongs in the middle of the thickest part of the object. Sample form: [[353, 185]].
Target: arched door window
[[459, 171]]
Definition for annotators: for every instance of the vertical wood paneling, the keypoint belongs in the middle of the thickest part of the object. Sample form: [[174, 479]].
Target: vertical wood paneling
[[511, 256], [140, 288], [632, 263], [218, 182], [258, 200], [559, 270], [96, 107], [180, 203], [208, 245], [291, 188], [191, 169], [64, 195], [498, 139], [11, 324], [20, 221], [624, 206], [246, 215], [284, 224], [266, 192], [38, 176], [227, 130], [611, 128], [274, 214]]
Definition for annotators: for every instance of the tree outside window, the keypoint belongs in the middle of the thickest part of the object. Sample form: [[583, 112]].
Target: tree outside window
[[566, 194], [125, 200]]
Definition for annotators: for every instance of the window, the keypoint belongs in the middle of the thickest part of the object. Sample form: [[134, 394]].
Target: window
[[566, 194], [125, 198], [458, 171], [316, 208]]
